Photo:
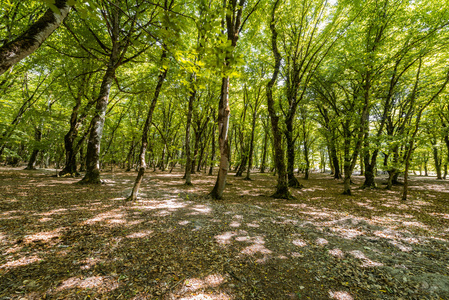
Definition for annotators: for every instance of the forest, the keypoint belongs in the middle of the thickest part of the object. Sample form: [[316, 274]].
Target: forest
[[234, 149]]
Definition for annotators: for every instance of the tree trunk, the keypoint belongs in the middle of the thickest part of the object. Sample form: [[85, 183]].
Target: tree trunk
[[282, 190], [212, 157], [242, 166], [223, 127], [146, 128], [306, 157], [292, 181], [437, 161], [188, 167], [29, 41], [264, 153], [32, 161], [334, 158], [93, 146], [251, 145]]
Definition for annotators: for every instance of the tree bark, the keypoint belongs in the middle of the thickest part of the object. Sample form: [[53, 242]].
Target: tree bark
[[233, 22], [212, 157], [282, 190], [32, 161], [437, 161], [223, 127], [251, 145], [93, 146], [188, 167], [264, 152], [29, 41]]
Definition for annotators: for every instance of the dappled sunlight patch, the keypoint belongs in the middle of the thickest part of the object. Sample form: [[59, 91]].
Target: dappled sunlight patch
[[321, 242], [347, 233], [13, 249], [234, 224], [387, 234], [366, 205], [299, 243], [159, 204], [97, 282], [340, 295], [10, 212], [316, 214], [256, 247], [253, 225], [444, 216], [195, 284], [183, 223], [115, 214], [415, 224], [53, 212], [162, 213], [140, 234], [23, 261], [200, 209], [366, 261], [43, 220], [337, 253], [225, 238], [3, 237], [44, 236], [208, 296]]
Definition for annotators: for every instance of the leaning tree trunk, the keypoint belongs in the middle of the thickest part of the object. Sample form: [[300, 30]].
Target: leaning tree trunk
[[146, 128], [16, 50]]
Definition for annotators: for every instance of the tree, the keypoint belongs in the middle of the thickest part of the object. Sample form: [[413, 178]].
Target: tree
[[32, 38]]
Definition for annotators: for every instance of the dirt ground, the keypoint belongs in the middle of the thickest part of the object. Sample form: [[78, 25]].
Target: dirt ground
[[60, 240]]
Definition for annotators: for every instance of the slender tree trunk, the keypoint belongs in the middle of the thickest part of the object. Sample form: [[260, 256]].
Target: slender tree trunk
[[242, 165], [292, 181], [146, 129], [264, 152], [32, 161], [251, 145], [437, 161], [188, 167], [306, 158], [29, 41], [212, 158]]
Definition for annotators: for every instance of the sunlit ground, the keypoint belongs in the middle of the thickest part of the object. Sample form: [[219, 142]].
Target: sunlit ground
[[60, 240]]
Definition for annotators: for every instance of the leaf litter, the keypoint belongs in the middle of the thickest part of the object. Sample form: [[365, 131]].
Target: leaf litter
[[60, 240]]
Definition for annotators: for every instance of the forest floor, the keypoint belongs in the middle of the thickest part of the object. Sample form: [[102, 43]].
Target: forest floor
[[60, 240]]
